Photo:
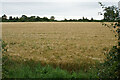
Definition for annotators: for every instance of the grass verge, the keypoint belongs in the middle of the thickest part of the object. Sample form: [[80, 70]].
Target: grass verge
[[32, 69]]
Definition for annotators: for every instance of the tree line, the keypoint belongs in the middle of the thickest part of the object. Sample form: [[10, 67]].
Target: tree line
[[25, 18]]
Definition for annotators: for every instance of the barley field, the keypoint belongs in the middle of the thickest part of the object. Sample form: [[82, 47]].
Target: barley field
[[69, 45]]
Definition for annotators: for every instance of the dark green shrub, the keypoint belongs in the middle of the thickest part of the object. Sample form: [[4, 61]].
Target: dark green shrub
[[4, 46], [111, 67]]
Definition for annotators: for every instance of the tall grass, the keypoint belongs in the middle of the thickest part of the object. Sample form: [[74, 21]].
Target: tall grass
[[32, 69]]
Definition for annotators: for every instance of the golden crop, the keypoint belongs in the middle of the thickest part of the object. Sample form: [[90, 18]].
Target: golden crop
[[70, 45]]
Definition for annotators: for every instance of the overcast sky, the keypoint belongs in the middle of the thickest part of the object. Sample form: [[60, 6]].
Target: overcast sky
[[61, 9]]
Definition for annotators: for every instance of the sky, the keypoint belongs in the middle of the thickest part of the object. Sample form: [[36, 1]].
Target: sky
[[61, 9]]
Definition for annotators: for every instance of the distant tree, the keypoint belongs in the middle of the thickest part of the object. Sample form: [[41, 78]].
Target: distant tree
[[45, 19], [86, 19], [4, 18], [79, 19], [71, 20], [23, 18], [83, 18], [65, 19], [10, 18], [32, 18], [38, 18], [75, 20], [52, 18], [92, 19], [17, 18], [14, 19]]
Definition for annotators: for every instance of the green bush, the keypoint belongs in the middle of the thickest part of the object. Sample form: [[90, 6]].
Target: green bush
[[111, 67]]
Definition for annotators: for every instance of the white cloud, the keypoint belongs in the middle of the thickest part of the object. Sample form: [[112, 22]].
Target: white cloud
[[60, 10], [69, 10], [60, 0]]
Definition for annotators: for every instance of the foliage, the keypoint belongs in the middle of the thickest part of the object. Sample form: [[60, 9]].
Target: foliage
[[110, 68], [25, 18], [110, 12], [52, 18]]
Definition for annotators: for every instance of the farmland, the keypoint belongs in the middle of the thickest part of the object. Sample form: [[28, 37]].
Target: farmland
[[69, 45]]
